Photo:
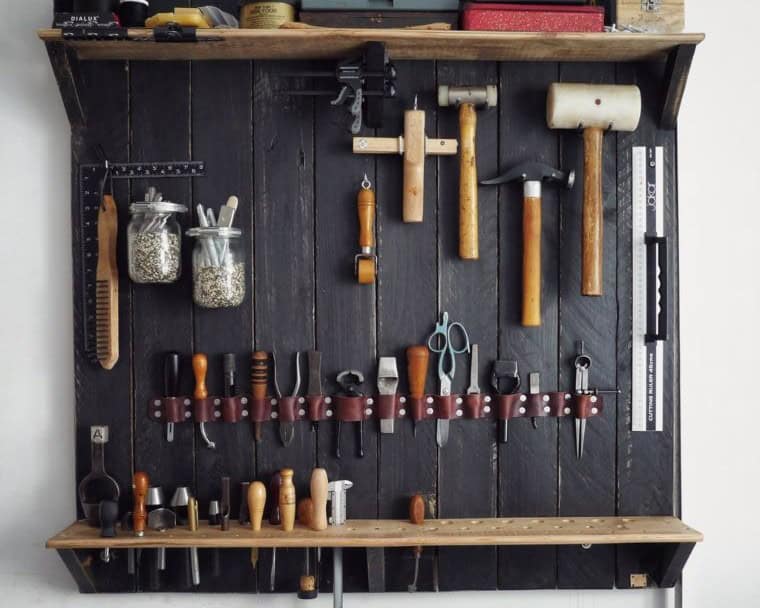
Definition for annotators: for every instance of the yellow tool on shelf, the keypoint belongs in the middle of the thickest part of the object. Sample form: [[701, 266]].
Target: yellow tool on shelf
[[186, 17]]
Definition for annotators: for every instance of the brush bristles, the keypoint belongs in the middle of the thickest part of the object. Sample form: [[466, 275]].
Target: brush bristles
[[103, 319]]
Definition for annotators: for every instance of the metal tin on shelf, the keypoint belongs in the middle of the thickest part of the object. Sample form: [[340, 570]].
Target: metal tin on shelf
[[258, 15]]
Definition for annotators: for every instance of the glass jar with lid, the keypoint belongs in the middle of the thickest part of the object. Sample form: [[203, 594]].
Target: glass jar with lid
[[218, 267], [154, 242]]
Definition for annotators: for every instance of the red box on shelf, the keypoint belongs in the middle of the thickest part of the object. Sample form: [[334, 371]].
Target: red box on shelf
[[532, 18]]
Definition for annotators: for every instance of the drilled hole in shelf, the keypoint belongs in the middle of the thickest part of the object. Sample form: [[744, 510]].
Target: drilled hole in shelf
[[567, 521], [537, 521], [597, 521], [376, 528], [475, 522], [507, 521], [445, 523], [627, 520], [589, 527]]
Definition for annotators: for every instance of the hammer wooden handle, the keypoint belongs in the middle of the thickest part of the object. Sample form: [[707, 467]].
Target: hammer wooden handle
[[417, 358], [414, 165], [468, 184], [593, 239], [531, 304], [200, 367]]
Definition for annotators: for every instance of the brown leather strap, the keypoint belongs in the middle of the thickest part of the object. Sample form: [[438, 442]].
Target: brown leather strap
[[203, 410], [509, 406], [350, 409], [586, 406], [445, 407], [232, 409], [288, 409], [316, 408], [261, 410], [173, 409], [473, 406], [416, 407], [387, 406]]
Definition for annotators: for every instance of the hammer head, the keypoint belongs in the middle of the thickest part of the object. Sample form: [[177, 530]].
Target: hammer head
[[484, 96], [534, 172], [583, 106]]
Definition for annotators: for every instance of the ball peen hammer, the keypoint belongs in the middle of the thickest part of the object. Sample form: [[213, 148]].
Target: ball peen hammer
[[467, 99], [593, 108], [532, 175]]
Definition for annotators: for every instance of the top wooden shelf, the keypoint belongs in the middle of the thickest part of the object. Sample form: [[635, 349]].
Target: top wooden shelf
[[328, 43]]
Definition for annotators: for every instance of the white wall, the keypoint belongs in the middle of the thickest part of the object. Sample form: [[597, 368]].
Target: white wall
[[720, 213]]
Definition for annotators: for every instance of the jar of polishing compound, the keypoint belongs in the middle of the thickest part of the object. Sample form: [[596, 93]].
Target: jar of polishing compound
[[218, 267], [154, 242], [261, 15]]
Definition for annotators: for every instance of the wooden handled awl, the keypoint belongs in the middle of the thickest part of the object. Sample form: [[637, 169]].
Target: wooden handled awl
[[259, 384], [467, 98], [107, 286], [287, 500], [595, 109], [318, 489], [414, 146], [417, 359], [257, 497], [417, 517], [140, 483], [365, 262], [200, 368]]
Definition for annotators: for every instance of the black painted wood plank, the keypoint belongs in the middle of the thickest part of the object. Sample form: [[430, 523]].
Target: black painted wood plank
[[346, 314], [528, 476], [105, 91], [407, 302], [468, 291], [284, 273], [224, 88], [162, 319], [587, 486]]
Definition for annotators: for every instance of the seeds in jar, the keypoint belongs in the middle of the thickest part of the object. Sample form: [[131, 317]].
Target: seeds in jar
[[154, 257], [219, 286]]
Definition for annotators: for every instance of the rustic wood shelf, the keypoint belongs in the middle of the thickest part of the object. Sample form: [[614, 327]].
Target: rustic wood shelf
[[327, 43], [394, 533]]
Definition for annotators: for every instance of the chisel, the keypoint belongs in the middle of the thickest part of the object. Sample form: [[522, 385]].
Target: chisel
[[171, 386], [417, 358], [259, 383], [314, 388], [387, 384], [474, 388]]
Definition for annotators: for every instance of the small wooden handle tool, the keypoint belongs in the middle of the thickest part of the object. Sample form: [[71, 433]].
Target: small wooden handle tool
[[259, 383], [200, 368], [414, 165], [257, 497], [365, 264], [318, 489], [140, 483], [417, 358], [287, 500], [107, 286], [417, 517]]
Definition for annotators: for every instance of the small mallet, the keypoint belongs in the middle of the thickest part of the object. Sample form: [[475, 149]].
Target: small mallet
[[594, 109]]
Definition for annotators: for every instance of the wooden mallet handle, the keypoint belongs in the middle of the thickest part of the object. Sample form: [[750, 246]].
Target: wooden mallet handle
[[200, 367], [531, 304], [593, 221], [468, 184]]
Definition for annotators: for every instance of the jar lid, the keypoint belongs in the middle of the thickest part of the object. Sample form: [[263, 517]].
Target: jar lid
[[157, 207], [215, 231]]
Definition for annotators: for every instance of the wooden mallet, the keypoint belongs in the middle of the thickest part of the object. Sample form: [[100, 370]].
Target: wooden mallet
[[594, 108]]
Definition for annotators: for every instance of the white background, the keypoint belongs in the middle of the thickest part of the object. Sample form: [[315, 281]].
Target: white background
[[720, 251]]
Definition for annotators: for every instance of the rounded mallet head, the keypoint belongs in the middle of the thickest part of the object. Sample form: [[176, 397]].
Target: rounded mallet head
[[583, 106], [487, 95]]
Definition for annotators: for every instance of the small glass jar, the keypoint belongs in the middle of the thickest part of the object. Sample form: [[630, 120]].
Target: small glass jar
[[218, 267], [154, 242]]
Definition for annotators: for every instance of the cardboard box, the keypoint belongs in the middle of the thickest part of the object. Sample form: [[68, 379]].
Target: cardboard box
[[655, 16]]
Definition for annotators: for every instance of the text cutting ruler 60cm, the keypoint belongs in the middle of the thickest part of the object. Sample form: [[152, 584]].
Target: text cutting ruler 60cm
[[91, 179], [650, 289]]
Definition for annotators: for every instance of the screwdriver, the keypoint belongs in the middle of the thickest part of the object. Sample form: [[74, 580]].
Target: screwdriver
[[171, 386], [259, 383], [417, 517], [274, 519], [200, 367], [257, 497], [417, 358]]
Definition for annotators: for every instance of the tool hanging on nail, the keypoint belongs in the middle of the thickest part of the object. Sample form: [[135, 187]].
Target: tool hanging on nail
[[532, 175], [171, 386], [414, 146], [350, 382], [441, 342], [314, 397], [582, 366], [417, 517], [365, 262], [259, 384], [417, 359], [467, 99], [97, 485], [502, 371], [336, 491], [107, 282], [593, 109], [387, 384], [287, 405], [200, 368]]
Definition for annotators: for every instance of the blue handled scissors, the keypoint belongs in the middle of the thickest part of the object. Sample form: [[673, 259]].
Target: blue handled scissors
[[447, 352]]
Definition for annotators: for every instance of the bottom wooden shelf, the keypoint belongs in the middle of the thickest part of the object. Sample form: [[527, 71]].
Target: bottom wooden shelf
[[396, 533]]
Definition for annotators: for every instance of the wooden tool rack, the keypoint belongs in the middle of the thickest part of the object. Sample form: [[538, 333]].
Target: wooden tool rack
[[521, 515]]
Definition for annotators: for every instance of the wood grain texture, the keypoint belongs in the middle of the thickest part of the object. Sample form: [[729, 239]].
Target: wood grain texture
[[406, 305], [326, 43], [588, 485], [468, 291], [528, 475]]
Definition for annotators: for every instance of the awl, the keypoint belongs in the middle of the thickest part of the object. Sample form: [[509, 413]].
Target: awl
[[314, 388], [171, 385], [259, 383], [387, 384], [417, 359]]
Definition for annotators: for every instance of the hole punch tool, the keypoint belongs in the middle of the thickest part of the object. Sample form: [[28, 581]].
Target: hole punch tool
[[441, 342], [287, 427], [350, 382], [505, 380], [97, 485]]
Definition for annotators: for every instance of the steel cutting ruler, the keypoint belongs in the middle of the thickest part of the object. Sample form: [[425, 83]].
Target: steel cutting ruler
[[650, 288], [91, 180]]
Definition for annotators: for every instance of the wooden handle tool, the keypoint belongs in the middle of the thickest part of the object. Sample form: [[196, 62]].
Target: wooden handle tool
[[593, 221], [259, 384], [531, 298], [257, 497], [417, 359], [287, 500], [200, 368], [417, 517], [107, 286], [414, 165], [468, 184], [140, 483], [365, 263], [318, 489]]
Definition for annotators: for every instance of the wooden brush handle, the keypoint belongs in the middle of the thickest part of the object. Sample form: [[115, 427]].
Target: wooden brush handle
[[107, 285], [592, 243], [107, 230], [531, 304], [200, 367], [365, 206], [468, 184], [417, 358], [414, 165]]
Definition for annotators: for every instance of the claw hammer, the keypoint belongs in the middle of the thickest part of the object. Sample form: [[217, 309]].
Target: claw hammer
[[467, 99]]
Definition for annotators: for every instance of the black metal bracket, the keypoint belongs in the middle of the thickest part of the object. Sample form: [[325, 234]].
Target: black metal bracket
[[66, 70], [676, 75]]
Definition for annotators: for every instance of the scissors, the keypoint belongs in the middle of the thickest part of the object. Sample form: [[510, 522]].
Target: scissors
[[447, 352]]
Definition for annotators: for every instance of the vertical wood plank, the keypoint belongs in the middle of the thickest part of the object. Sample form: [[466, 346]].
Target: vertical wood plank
[[346, 314], [528, 476], [284, 274], [468, 291], [407, 302], [587, 486]]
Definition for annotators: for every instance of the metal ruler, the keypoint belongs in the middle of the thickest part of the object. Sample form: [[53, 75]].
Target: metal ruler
[[650, 288], [91, 180]]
